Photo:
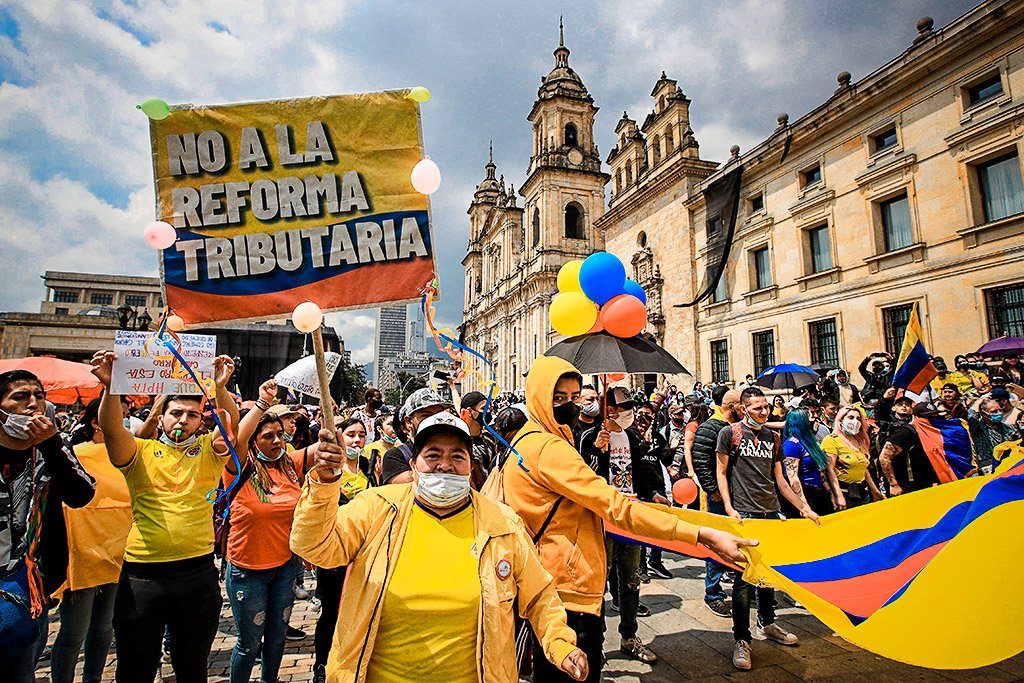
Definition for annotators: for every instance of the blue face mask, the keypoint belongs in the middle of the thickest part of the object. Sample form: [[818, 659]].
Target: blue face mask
[[352, 453], [288, 438], [266, 458], [995, 417]]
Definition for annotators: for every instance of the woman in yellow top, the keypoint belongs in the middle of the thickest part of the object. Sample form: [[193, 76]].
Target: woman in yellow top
[[848, 448], [438, 571], [97, 535]]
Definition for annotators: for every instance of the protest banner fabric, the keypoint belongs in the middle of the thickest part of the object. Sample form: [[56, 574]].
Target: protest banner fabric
[[899, 577], [145, 366], [276, 203]]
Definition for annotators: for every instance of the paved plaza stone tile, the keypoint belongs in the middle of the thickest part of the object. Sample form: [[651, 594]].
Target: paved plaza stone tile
[[692, 644]]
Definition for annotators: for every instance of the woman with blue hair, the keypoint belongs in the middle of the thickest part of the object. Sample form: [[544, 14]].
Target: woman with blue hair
[[807, 467]]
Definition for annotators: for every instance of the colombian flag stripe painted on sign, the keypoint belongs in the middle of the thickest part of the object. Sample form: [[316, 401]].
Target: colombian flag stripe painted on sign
[[900, 577]]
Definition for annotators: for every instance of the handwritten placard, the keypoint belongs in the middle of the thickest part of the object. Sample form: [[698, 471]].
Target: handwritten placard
[[144, 365]]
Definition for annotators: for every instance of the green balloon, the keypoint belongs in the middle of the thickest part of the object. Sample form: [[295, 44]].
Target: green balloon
[[155, 109]]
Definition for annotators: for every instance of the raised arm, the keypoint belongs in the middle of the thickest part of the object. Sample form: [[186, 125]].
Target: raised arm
[[223, 368], [148, 428], [119, 441], [247, 426]]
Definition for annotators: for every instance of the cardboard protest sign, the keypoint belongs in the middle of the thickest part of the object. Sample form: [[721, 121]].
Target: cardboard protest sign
[[145, 366], [276, 203], [301, 375]]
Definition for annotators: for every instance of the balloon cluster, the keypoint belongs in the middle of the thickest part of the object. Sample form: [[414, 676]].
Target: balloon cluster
[[594, 295]]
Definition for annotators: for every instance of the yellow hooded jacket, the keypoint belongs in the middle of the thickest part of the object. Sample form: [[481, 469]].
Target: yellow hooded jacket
[[367, 534], [572, 546]]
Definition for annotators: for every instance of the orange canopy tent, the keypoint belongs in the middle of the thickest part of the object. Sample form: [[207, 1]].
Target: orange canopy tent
[[64, 381]]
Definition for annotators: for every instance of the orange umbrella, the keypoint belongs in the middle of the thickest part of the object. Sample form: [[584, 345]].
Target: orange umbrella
[[63, 380]]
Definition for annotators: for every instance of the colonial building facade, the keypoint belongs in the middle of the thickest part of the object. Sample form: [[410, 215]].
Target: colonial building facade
[[904, 187], [514, 252]]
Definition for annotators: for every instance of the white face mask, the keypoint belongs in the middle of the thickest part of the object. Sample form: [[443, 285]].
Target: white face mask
[[624, 419], [442, 490], [591, 409], [181, 445], [851, 426], [16, 425]]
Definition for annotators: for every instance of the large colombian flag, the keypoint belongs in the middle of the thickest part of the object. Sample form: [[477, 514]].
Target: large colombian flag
[[900, 577], [914, 369]]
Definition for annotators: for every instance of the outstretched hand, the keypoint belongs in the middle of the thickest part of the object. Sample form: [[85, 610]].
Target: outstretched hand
[[724, 544], [103, 366]]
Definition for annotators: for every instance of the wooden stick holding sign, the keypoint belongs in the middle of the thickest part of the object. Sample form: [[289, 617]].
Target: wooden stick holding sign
[[307, 317]]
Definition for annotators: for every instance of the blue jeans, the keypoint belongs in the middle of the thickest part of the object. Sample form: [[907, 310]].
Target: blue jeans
[[742, 594], [713, 572], [86, 616], [261, 602]]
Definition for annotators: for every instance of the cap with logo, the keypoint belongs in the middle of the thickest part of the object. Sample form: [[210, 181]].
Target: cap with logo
[[620, 398], [420, 399], [442, 423]]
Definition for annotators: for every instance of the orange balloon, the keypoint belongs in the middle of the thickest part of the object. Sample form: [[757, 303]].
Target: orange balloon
[[616, 377], [624, 316], [598, 325], [684, 491]]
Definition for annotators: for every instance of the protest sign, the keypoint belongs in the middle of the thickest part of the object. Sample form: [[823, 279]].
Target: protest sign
[[145, 366], [301, 375], [275, 203]]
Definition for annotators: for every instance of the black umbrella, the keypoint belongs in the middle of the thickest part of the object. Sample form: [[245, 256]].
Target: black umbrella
[[823, 368], [601, 353]]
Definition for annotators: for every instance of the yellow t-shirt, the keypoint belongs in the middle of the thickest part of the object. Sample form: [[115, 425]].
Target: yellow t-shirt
[[851, 464], [428, 624], [964, 383], [351, 484], [172, 518], [97, 533]]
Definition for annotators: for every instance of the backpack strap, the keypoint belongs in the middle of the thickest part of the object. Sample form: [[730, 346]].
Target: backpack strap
[[547, 520]]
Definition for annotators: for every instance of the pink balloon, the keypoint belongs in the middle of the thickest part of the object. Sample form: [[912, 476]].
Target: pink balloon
[[160, 234]]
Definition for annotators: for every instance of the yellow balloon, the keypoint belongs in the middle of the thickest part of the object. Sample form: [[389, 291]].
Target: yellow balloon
[[573, 314], [569, 277], [418, 94]]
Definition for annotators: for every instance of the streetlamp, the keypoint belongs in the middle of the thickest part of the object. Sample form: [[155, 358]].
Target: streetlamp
[[130, 319]]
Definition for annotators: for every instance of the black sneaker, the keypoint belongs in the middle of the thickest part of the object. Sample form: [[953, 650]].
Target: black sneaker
[[644, 576], [658, 571], [643, 610], [319, 673], [719, 607], [294, 634]]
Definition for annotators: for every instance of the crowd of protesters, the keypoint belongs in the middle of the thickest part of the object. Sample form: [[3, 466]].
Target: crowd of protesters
[[416, 569]]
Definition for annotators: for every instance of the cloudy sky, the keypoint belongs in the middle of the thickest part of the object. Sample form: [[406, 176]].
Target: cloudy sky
[[75, 174]]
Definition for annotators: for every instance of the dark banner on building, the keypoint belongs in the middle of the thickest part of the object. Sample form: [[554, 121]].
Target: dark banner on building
[[722, 202]]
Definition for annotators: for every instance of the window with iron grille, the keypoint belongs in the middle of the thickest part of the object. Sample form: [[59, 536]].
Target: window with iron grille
[[720, 360], [135, 300], [824, 341], [895, 320], [1005, 311], [65, 297], [101, 298], [764, 350]]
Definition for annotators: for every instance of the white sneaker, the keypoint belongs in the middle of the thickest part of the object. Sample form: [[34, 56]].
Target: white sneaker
[[775, 632], [741, 655]]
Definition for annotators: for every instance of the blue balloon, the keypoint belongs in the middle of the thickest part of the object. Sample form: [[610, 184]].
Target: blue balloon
[[636, 290], [602, 277]]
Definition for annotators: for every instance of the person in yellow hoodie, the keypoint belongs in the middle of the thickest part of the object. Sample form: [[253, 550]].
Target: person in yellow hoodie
[[562, 502], [437, 572]]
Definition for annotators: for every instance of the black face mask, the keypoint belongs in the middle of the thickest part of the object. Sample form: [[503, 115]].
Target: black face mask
[[374, 403], [567, 413]]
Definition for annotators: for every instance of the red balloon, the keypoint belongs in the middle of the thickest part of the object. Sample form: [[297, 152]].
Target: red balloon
[[624, 316], [684, 491], [598, 325]]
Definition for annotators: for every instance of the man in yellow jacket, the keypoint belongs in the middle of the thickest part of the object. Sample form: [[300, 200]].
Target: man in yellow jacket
[[562, 501], [437, 572]]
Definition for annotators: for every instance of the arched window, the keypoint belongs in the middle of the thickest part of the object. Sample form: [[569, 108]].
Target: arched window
[[536, 227], [618, 181], [655, 150], [641, 239], [669, 141], [571, 136], [574, 222], [629, 174]]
